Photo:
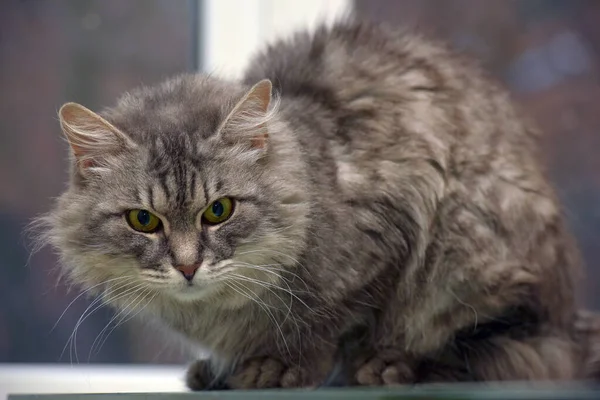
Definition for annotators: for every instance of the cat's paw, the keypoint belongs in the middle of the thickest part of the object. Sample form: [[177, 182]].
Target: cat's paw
[[258, 373], [295, 377], [201, 377], [385, 369]]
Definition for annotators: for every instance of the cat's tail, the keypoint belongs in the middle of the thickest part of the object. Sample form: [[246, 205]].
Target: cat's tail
[[587, 329]]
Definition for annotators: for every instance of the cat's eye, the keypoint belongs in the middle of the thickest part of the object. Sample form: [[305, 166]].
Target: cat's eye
[[219, 211], [143, 221]]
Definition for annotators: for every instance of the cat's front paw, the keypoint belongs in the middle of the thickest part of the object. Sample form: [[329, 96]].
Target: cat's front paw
[[385, 368], [201, 377], [257, 373]]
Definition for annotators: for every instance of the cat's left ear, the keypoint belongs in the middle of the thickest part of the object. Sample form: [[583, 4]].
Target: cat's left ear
[[92, 138], [247, 122]]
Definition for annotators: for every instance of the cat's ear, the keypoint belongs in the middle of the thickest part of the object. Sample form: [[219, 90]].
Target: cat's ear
[[91, 137], [248, 120]]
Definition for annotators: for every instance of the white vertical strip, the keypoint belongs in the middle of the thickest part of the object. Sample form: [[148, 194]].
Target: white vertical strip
[[232, 30]]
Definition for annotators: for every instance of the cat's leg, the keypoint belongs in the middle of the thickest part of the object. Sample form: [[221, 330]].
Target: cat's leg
[[426, 333], [470, 313], [535, 358], [587, 327], [497, 359], [503, 358], [474, 277]]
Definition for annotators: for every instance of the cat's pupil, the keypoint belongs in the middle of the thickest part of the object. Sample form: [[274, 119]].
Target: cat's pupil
[[217, 208], [143, 217]]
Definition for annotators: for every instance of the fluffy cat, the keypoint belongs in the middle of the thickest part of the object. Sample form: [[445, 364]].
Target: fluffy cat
[[356, 179]]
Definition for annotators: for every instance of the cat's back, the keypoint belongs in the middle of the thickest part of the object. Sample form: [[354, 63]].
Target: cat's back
[[387, 93], [333, 64], [376, 83], [399, 114]]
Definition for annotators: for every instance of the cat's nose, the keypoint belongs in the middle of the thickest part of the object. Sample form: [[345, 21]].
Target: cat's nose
[[188, 271]]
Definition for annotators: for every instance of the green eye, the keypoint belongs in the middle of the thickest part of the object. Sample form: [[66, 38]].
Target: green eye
[[219, 211], [143, 221]]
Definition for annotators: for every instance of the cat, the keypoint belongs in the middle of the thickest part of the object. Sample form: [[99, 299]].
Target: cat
[[358, 178]]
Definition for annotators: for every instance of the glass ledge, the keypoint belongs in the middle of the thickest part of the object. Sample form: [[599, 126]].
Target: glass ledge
[[423, 392]]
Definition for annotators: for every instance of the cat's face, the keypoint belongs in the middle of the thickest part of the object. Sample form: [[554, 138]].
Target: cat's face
[[162, 202]]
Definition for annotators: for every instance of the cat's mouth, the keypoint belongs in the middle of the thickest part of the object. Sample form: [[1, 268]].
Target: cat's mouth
[[193, 290]]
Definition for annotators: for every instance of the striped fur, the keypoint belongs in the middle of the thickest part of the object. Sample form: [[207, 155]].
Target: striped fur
[[400, 190]]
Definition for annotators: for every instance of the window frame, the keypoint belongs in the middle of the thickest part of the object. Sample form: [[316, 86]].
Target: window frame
[[225, 51]]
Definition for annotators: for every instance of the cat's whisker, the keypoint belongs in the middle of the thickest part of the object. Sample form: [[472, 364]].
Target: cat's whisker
[[72, 341], [141, 290], [228, 280], [127, 291], [284, 281], [269, 284], [128, 317], [292, 292], [148, 302], [262, 250], [69, 343], [265, 307], [83, 293], [269, 269], [278, 265]]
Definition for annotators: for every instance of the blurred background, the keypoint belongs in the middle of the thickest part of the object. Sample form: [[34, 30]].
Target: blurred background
[[547, 52]]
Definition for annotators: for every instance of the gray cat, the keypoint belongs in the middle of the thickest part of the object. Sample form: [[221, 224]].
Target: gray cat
[[356, 179]]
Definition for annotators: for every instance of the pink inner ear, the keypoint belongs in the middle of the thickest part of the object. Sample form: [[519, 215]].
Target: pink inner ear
[[260, 141], [85, 164]]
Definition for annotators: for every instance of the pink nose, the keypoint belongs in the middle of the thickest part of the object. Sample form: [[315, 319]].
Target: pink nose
[[188, 271]]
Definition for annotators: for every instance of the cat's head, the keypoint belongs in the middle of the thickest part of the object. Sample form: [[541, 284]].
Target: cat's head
[[191, 189]]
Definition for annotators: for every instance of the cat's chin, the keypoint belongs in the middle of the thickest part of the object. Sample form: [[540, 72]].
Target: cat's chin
[[215, 294], [191, 293]]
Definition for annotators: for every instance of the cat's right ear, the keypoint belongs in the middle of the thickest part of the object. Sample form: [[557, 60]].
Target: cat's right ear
[[247, 124], [91, 137]]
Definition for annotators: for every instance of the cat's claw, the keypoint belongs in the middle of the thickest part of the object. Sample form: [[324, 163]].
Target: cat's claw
[[382, 370]]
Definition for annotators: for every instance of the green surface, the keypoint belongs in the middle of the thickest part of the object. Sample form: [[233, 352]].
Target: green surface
[[457, 392]]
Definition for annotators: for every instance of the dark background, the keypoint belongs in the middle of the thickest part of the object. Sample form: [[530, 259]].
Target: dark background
[[546, 51]]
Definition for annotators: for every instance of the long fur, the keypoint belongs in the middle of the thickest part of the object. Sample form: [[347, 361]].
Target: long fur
[[399, 193]]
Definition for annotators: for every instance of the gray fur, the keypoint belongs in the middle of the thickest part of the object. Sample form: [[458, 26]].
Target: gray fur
[[399, 190]]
